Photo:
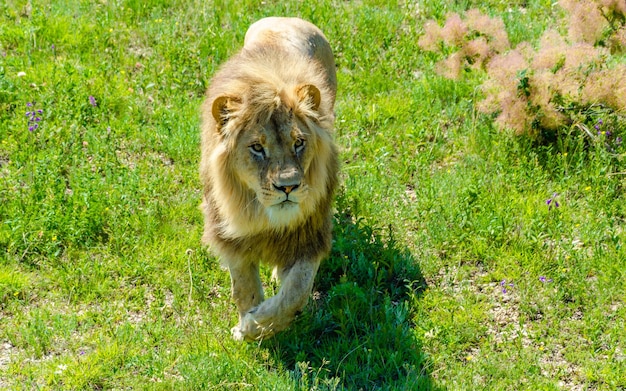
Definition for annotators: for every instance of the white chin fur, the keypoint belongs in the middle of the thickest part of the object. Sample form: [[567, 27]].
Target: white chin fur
[[283, 214]]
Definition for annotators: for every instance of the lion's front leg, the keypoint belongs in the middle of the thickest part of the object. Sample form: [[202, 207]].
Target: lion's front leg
[[246, 288], [277, 312]]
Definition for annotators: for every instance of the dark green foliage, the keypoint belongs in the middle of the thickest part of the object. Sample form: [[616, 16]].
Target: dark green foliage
[[358, 327]]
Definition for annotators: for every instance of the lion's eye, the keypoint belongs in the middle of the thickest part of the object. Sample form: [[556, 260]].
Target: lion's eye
[[298, 145], [258, 150]]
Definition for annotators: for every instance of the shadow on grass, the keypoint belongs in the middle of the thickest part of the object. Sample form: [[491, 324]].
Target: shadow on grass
[[356, 332]]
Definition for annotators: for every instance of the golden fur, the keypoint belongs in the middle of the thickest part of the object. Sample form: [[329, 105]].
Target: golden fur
[[269, 168]]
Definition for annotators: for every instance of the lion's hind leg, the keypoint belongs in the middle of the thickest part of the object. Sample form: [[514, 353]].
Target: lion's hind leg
[[277, 312]]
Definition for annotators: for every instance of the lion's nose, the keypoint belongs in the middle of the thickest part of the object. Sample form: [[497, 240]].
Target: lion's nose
[[287, 189]]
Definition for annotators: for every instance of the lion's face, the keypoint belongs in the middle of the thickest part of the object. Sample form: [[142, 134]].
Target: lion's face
[[272, 160]]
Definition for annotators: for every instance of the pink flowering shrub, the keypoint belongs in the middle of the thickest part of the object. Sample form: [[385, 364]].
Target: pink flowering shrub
[[552, 87], [564, 83], [597, 22], [476, 39]]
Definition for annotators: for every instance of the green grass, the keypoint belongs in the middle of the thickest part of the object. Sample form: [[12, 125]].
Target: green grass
[[104, 283]]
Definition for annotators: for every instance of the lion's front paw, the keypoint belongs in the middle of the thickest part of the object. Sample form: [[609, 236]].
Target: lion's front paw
[[237, 333], [249, 329]]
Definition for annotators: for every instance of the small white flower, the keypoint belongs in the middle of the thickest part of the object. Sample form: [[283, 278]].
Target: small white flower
[[21, 74], [60, 369]]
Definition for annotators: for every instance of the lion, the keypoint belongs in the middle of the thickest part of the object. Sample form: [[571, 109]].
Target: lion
[[269, 168]]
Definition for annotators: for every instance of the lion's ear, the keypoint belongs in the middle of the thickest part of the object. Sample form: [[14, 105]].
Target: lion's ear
[[222, 105], [311, 93]]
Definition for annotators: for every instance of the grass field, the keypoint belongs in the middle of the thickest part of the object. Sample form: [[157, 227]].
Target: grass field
[[450, 270]]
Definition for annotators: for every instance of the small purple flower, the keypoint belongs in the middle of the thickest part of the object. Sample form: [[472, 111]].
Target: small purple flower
[[32, 117], [618, 140], [543, 279], [552, 202], [598, 125], [504, 285], [92, 101]]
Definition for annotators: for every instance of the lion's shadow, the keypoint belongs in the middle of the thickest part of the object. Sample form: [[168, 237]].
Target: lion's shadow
[[356, 332]]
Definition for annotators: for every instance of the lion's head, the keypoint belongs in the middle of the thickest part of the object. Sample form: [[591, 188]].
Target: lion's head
[[268, 156]]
